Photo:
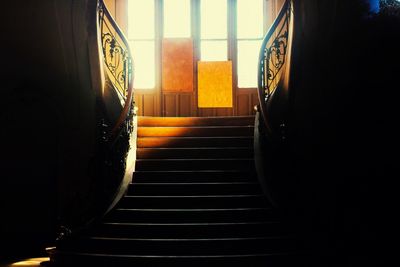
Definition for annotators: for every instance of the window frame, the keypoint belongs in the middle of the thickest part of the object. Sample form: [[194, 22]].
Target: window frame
[[195, 34]]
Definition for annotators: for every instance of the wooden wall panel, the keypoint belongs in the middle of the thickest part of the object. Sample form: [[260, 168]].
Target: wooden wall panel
[[185, 105], [243, 103], [149, 105], [170, 105], [178, 105], [139, 103], [181, 105], [215, 112], [177, 65]]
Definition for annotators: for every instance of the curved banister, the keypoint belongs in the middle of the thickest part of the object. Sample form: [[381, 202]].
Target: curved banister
[[273, 56], [112, 160], [118, 62]]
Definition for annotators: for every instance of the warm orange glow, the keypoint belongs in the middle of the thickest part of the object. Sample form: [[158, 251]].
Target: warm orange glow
[[177, 65], [163, 131], [30, 262], [215, 84]]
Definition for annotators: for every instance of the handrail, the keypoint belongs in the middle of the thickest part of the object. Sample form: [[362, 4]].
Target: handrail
[[118, 61], [273, 56]]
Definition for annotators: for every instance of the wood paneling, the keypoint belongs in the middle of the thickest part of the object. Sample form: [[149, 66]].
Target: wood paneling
[[147, 102], [185, 105], [169, 105], [149, 109], [246, 99], [178, 105], [243, 103], [177, 65]]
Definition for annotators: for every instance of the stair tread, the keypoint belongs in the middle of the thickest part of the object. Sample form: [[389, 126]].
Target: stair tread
[[186, 210], [175, 256], [209, 159], [188, 224], [186, 239], [195, 131], [206, 183], [194, 196], [189, 121]]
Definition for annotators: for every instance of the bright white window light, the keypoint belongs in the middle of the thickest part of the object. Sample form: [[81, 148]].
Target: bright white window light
[[214, 30], [143, 54], [248, 52], [141, 19], [177, 19], [250, 19], [141, 35], [214, 51], [214, 14]]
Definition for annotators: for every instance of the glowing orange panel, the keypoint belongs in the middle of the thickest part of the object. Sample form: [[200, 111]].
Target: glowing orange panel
[[215, 84], [177, 65]]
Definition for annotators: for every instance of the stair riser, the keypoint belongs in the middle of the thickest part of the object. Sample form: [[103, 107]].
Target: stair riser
[[187, 247], [195, 131], [190, 165], [194, 176], [193, 189], [173, 142], [192, 202], [195, 153], [218, 216], [196, 121], [191, 231]]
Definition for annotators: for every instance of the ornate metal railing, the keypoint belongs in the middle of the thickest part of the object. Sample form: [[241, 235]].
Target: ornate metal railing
[[118, 65], [273, 55]]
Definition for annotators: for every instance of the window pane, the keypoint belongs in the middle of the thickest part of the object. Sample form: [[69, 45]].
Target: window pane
[[176, 18], [141, 19], [250, 18], [214, 51], [248, 52], [214, 19], [143, 54]]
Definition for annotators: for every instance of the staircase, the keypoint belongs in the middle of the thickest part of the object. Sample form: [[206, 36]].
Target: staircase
[[194, 201]]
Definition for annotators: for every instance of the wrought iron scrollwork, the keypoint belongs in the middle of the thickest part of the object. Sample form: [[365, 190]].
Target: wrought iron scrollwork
[[117, 58], [118, 67], [273, 53]]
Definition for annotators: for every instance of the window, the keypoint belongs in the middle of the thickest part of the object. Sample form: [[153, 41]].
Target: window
[[177, 19], [212, 26], [141, 35], [250, 21], [214, 30]]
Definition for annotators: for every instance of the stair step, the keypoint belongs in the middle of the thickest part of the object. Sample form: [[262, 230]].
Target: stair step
[[189, 230], [197, 176], [70, 258], [177, 189], [190, 215], [216, 201], [194, 153], [187, 246], [195, 131], [175, 142], [194, 164], [196, 121], [194, 200]]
